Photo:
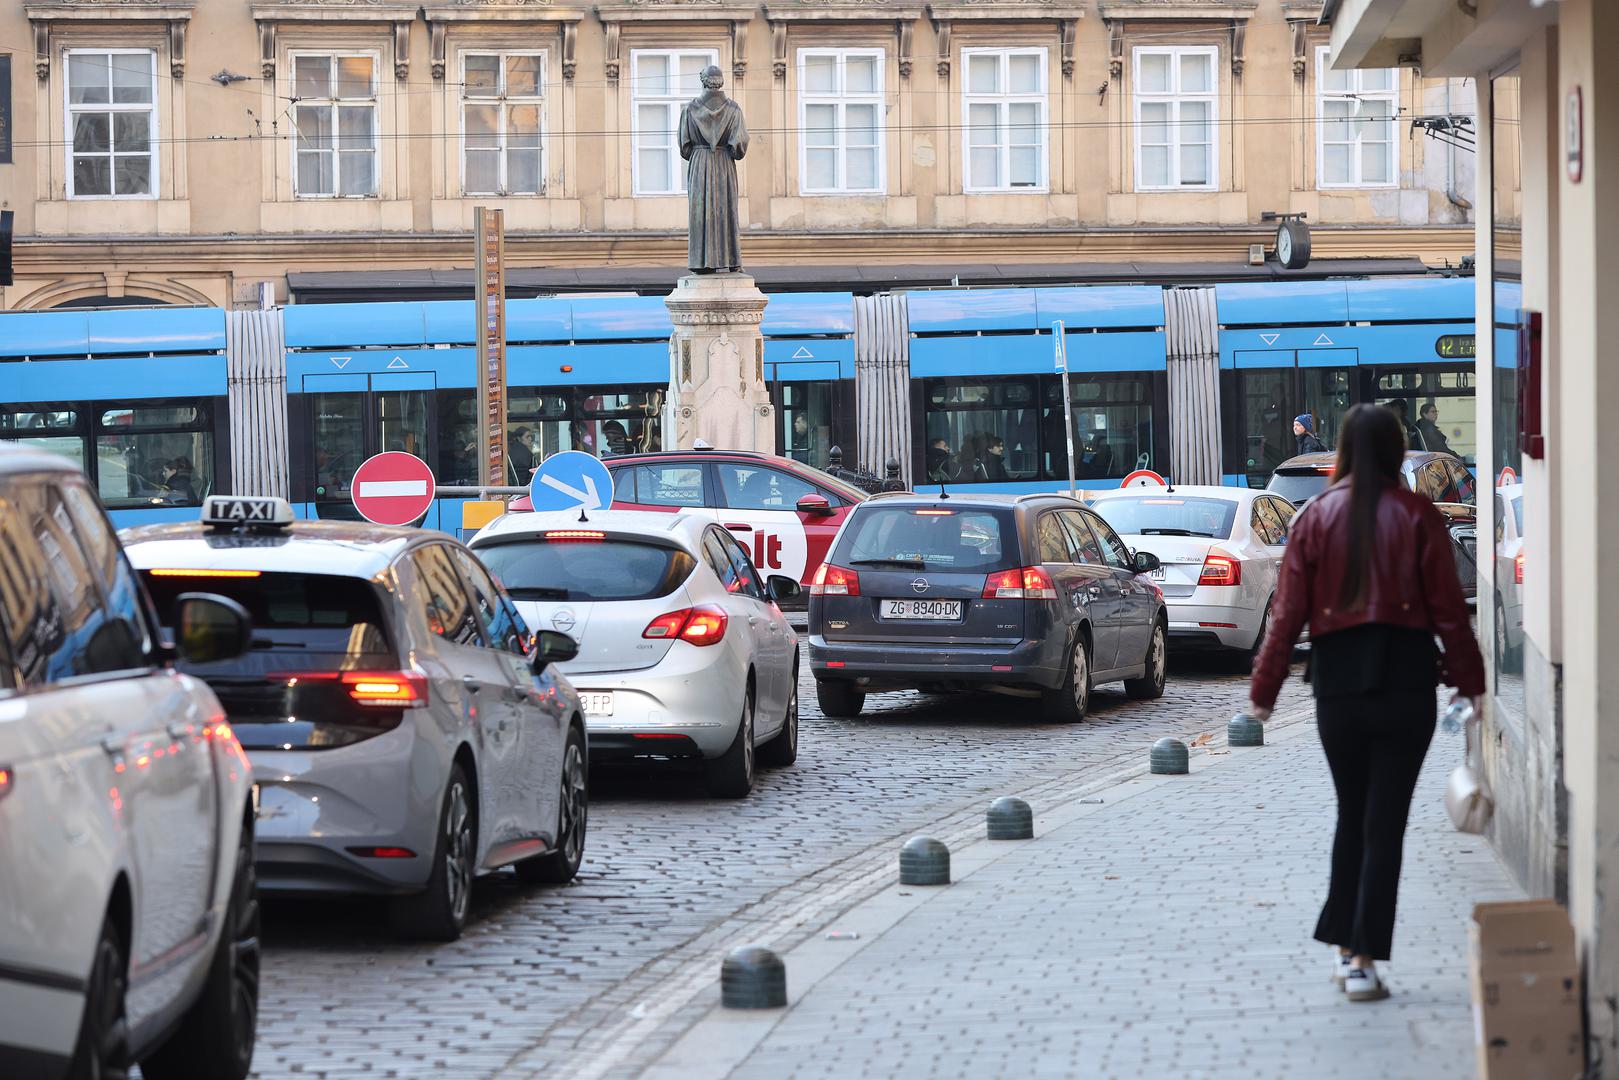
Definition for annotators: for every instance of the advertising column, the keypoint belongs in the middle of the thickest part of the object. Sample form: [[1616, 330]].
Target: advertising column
[[491, 339]]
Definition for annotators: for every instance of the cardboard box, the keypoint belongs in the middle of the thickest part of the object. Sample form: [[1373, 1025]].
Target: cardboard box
[[1526, 992]]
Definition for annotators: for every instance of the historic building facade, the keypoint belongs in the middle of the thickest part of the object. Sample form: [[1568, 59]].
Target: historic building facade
[[199, 151]]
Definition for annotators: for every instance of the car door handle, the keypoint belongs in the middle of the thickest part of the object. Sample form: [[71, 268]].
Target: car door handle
[[738, 527], [470, 683]]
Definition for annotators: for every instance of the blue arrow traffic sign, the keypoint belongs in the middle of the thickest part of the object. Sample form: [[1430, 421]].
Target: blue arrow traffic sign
[[571, 480]]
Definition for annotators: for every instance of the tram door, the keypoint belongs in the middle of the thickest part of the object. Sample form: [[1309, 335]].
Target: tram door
[[350, 418], [1273, 387]]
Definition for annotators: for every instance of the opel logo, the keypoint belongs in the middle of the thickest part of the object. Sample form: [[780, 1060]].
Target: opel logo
[[563, 620], [920, 585]]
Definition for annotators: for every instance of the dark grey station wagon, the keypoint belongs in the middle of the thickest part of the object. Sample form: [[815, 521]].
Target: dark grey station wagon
[[1028, 595]]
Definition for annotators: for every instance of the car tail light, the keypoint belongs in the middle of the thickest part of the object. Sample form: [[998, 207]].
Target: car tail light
[[703, 625], [575, 536], [1027, 582], [391, 689], [165, 571], [1220, 569], [832, 580], [1517, 569], [8, 780], [383, 852]]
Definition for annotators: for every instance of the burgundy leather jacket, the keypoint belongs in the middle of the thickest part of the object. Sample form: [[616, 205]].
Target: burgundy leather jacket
[[1413, 584]]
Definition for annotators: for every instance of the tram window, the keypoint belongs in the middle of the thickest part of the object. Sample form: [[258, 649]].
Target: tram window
[[1451, 425], [1113, 426], [49, 427], [457, 438], [600, 421], [990, 429], [402, 421], [621, 422], [1327, 398], [154, 455], [806, 416]]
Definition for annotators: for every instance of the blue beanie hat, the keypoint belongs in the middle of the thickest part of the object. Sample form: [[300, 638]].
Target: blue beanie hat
[[1307, 420]]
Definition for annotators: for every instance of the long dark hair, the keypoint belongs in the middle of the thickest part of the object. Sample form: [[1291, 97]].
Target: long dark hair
[[1371, 447]]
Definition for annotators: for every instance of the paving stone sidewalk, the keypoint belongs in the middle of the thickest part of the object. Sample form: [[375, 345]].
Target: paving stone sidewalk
[[1161, 932]]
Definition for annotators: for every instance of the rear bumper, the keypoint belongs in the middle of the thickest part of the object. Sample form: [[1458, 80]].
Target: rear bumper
[[1195, 623], [1038, 664], [691, 702]]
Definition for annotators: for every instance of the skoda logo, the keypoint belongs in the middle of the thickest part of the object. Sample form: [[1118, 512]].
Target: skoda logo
[[563, 620], [920, 585]]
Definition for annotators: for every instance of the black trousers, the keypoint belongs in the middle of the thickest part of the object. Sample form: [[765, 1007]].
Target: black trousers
[[1375, 744]]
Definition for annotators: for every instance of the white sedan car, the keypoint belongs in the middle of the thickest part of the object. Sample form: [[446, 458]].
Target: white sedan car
[[1509, 555], [1220, 547], [683, 652]]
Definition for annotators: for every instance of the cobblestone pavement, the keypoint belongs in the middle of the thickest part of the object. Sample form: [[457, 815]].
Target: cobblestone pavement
[[558, 981], [1160, 928]]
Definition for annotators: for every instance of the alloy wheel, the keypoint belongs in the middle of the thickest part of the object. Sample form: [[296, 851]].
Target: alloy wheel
[[1082, 678], [747, 737], [458, 852], [1157, 656], [109, 1030], [245, 950], [575, 805]]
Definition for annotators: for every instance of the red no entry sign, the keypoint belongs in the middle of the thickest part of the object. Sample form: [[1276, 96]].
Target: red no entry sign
[[394, 488], [1142, 478]]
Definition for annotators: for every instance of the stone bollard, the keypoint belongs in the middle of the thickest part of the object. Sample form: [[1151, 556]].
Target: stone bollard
[[1010, 819], [924, 861], [1169, 757], [753, 977], [1244, 730]]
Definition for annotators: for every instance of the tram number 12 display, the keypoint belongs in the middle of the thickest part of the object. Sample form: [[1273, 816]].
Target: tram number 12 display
[[1455, 347]]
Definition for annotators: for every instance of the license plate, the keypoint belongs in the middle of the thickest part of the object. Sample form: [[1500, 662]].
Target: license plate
[[600, 704], [921, 609], [1158, 574]]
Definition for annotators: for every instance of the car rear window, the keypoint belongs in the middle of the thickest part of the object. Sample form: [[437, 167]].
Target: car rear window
[[1168, 515], [1296, 487], [301, 622], [591, 569], [931, 538]]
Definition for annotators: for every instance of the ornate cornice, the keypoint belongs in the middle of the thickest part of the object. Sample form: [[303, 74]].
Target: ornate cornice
[[175, 13], [1177, 9], [537, 13], [269, 16]]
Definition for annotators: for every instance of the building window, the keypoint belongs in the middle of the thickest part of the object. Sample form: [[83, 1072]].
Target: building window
[[1355, 117], [662, 82], [1175, 117], [111, 123], [502, 123], [840, 95], [335, 113], [1004, 109]]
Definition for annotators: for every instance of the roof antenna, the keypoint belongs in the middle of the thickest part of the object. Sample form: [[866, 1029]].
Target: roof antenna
[[582, 519], [943, 494]]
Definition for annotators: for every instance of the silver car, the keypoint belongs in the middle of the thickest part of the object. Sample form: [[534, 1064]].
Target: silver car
[[129, 930], [402, 736], [683, 652], [1220, 549]]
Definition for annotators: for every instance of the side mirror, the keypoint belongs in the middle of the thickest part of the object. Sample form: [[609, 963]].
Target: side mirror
[[815, 505], [552, 647], [780, 587], [209, 628], [1145, 562]]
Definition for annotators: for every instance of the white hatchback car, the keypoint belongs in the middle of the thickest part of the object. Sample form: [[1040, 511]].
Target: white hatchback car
[[129, 925], [683, 652], [1220, 550]]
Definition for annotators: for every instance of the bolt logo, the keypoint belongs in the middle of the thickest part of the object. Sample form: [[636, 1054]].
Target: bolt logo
[[767, 551]]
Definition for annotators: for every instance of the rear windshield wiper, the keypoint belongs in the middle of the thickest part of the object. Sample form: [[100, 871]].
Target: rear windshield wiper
[[1174, 532], [908, 564], [537, 593]]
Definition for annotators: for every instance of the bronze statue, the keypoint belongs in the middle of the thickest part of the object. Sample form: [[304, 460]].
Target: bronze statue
[[713, 138]]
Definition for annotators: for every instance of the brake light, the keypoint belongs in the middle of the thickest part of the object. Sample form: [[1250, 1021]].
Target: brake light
[[1027, 582], [166, 571], [391, 689], [383, 852], [1517, 569], [832, 580], [8, 780], [934, 513], [575, 536], [703, 625], [1220, 569]]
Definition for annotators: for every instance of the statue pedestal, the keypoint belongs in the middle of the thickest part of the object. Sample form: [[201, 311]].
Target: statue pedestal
[[717, 390]]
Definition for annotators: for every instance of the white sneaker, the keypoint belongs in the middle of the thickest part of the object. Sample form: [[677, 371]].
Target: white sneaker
[[1362, 984], [1340, 968]]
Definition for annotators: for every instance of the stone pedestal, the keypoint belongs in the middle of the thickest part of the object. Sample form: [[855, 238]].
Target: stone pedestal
[[717, 390]]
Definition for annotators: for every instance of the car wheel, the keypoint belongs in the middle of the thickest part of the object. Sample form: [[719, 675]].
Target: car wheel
[[1505, 655], [560, 866], [730, 776], [102, 1052], [783, 749], [215, 1040], [1151, 683], [439, 912], [1248, 657], [1067, 703], [839, 698]]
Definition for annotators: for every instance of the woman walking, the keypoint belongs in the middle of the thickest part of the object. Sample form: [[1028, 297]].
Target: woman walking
[[1369, 568]]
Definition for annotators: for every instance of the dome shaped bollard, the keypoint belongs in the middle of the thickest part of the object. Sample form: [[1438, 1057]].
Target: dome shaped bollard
[[1010, 819], [753, 977], [1244, 730], [1169, 758], [924, 861]]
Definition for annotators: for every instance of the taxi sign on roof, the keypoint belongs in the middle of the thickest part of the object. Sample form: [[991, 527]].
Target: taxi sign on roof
[[239, 510]]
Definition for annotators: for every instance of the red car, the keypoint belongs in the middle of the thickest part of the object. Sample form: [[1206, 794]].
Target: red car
[[784, 512]]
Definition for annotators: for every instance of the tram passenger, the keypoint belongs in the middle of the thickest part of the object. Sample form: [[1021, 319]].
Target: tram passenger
[[992, 462], [520, 457], [941, 466], [1304, 431], [1402, 409], [177, 478], [616, 438]]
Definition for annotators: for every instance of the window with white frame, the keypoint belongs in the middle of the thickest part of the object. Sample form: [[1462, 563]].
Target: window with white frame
[[503, 123], [335, 115], [111, 123], [840, 110], [1003, 105], [1355, 118], [662, 80], [1176, 112]]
